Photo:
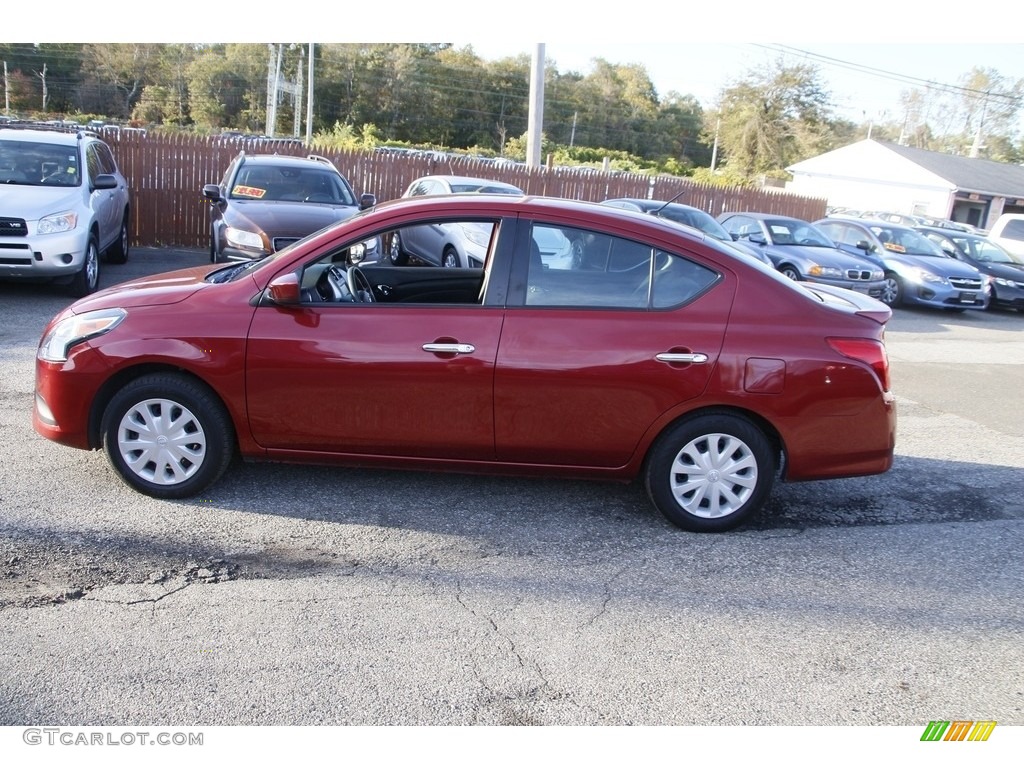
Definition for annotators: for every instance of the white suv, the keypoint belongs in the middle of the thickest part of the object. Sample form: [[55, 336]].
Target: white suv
[[1008, 231], [63, 202]]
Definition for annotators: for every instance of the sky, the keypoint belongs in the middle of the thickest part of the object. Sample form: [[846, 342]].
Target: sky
[[867, 54], [865, 79]]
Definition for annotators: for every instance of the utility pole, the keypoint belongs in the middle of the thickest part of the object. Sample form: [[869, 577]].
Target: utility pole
[[536, 120], [309, 100], [976, 146], [714, 149]]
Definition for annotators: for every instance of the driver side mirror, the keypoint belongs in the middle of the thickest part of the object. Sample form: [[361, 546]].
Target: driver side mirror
[[367, 200], [285, 290], [865, 246]]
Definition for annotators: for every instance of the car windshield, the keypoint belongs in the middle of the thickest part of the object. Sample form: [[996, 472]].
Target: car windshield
[[986, 251], [697, 219], [38, 164], [901, 240], [790, 232], [291, 184]]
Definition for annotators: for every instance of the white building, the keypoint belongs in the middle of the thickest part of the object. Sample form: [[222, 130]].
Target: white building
[[880, 176]]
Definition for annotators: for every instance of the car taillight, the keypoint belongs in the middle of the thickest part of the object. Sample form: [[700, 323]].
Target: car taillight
[[867, 351]]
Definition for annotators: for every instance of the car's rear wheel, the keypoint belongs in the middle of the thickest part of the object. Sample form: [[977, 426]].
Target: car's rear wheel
[[118, 252], [87, 279], [167, 435], [710, 473], [892, 290], [450, 258]]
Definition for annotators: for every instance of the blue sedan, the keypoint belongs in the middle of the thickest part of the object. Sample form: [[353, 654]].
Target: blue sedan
[[801, 252], [916, 270]]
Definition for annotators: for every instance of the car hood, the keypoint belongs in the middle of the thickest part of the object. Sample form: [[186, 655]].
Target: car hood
[[1008, 271], [282, 219], [165, 288], [828, 257], [935, 264], [34, 202]]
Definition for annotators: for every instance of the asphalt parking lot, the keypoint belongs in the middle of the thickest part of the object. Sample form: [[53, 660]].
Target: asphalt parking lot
[[308, 595]]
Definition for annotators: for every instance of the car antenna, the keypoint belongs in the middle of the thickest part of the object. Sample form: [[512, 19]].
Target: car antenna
[[668, 202]]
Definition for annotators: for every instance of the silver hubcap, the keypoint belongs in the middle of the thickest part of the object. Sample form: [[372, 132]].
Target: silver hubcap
[[713, 475], [161, 441], [91, 266], [396, 248], [890, 291], [450, 259]]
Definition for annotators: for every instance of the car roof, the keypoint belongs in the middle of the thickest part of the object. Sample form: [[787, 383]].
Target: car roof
[[761, 216], [466, 180], [868, 223], [590, 214], [65, 138], [653, 205], [286, 160]]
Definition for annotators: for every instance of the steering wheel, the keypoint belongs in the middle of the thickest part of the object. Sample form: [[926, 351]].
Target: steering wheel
[[359, 286], [332, 285]]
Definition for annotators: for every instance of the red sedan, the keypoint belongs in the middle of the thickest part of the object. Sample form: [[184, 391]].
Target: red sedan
[[654, 353]]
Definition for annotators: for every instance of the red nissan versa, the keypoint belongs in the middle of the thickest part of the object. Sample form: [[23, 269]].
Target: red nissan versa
[[658, 354]]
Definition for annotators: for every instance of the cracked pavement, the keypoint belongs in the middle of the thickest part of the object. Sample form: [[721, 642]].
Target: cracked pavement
[[324, 596]]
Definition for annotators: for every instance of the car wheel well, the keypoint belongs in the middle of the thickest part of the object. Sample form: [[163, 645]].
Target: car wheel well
[[766, 427], [120, 380]]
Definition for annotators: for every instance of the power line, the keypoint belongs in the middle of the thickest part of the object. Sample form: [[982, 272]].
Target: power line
[[1008, 99]]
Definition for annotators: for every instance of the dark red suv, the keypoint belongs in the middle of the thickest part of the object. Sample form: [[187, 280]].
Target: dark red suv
[[660, 355]]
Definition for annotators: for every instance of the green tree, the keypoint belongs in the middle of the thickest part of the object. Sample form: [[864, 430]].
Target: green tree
[[771, 118]]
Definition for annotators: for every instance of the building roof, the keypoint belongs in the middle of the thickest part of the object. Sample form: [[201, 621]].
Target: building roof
[[972, 174]]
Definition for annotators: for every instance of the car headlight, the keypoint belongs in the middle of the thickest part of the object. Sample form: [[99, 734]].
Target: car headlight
[[1004, 282], [241, 238], [877, 274], [58, 222], [76, 329], [819, 271], [924, 276], [477, 235]]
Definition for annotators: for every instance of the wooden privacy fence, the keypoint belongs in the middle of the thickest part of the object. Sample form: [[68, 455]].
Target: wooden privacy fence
[[166, 174]]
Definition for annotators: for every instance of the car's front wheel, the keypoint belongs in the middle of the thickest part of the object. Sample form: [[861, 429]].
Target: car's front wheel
[[790, 272], [168, 435], [710, 473], [215, 254], [892, 290], [450, 258]]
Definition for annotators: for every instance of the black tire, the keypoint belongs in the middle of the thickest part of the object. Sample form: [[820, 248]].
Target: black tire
[[733, 484], [892, 293], [791, 273], [450, 258], [87, 279], [118, 252], [396, 255], [183, 458], [215, 255]]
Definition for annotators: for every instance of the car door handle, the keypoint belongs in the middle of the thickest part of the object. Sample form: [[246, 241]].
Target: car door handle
[[682, 357], [450, 349]]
